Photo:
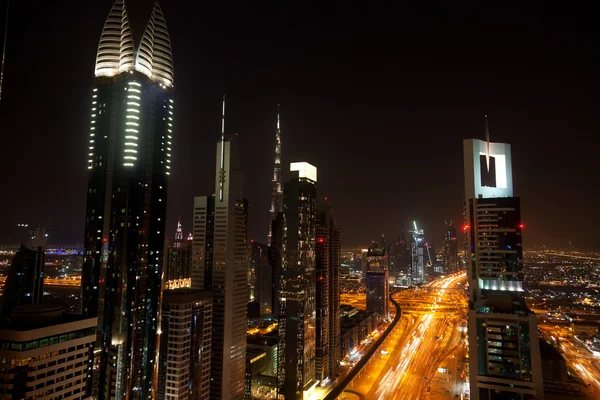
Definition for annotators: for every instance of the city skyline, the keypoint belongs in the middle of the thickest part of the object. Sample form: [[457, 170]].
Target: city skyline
[[371, 107], [530, 102]]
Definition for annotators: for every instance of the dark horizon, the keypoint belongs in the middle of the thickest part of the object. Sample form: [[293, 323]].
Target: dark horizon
[[378, 98]]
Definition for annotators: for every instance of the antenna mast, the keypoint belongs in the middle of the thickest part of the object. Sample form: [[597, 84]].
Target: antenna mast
[[4, 48], [487, 139], [222, 171]]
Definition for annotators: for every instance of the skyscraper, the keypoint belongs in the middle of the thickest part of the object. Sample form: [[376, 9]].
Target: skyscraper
[[178, 272], [221, 265], [128, 165], [377, 280], [276, 260], [263, 277], [185, 345], [418, 254], [25, 280], [44, 353], [297, 323], [277, 189], [327, 305], [503, 344], [203, 242], [450, 250]]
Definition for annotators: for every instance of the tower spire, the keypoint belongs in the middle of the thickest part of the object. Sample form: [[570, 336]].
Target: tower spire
[[277, 189], [487, 139], [4, 48], [222, 172]]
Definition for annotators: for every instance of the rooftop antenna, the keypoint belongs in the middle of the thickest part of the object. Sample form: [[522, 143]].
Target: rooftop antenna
[[4, 48], [222, 172], [487, 139]]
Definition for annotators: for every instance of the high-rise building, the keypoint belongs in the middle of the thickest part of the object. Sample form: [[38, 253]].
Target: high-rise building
[[418, 255], [327, 305], [185, 345], [450, 250], [297, 322], [263, 289], [220, 264], [203, 233], [503, 342], [178, 271], [44, 353], [129, 161], [25, 281], [377, 285], [276, 259], [277, 188]]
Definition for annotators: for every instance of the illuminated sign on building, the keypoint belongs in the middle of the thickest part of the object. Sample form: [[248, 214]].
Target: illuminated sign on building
[[305, 170], [488, 169]]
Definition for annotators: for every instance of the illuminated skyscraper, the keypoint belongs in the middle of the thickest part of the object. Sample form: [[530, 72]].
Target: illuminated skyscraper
[[221, 265], [503, 344], [297, 322], [377, 280], [277, 189], [178, 272], [327, 295], [450, 250], [129, 161], [418, 254], [185, 343]]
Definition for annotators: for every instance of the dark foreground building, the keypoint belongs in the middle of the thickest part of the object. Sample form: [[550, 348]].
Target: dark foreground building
[[185, 345], [129, 161], [25, 281], [44, 353], [297, 322]]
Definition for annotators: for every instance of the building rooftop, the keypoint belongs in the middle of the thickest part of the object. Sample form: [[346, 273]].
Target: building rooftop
[[39, 316], [185, 295]]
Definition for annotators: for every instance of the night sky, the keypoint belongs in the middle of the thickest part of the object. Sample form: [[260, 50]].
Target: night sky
[[379, 98]]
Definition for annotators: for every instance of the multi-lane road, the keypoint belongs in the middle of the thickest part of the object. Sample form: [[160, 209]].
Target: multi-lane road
[[429, 332], [578, 358]]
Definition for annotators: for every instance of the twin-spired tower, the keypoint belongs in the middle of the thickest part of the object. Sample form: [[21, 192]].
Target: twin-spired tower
[[129, 162]]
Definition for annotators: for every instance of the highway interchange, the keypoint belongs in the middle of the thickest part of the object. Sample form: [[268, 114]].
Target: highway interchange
[[430, 333]]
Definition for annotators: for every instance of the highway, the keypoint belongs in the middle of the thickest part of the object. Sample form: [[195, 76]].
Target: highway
[[578, 358], [426, 335]]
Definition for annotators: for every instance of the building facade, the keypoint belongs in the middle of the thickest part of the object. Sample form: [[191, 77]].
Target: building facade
[[377, 285], [203, 233], [25, 281], [297, 322], [503, 342], [327, 262], [263, 275], [450, 258], [178, 271], [220, 264], [185, 345], [44, 354], [418, 255], [277, 183], [129, 162]]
